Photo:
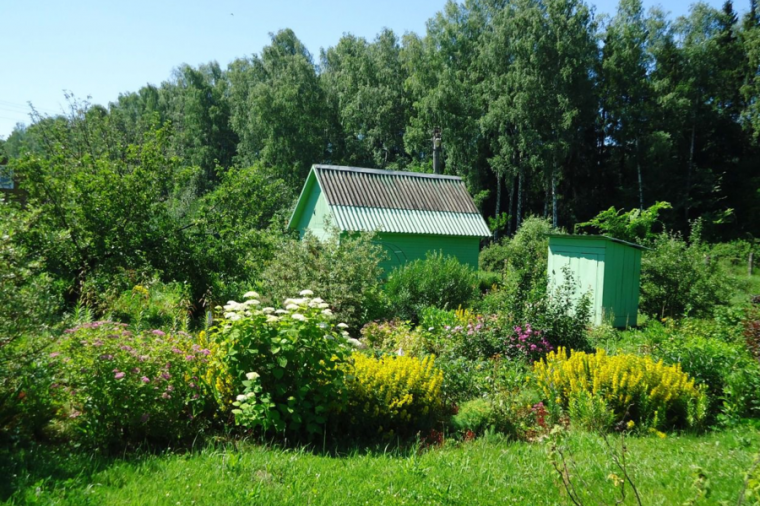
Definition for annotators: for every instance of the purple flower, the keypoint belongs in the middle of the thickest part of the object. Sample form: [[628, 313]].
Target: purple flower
[[145, 379], [106, 357], [119, 375], [54, 354], [159, 333], [98, 343], [166, 375], [126, 348]]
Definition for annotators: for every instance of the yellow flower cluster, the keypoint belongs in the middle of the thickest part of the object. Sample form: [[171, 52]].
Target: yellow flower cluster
[[393, 392], [216, 374], [632, 386]]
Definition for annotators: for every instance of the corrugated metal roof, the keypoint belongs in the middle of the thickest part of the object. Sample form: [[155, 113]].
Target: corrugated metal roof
[[386, 189], [402, 202], [368, 219]]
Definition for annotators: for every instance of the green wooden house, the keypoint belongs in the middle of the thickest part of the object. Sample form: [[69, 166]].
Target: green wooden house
[[608, 269], [411, 213]]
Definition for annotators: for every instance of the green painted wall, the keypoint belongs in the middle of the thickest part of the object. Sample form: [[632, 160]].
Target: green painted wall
[[607, 270], [403, 248], [316, 214]]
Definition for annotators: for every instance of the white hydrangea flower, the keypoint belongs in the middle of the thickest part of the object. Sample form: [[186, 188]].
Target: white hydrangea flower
[[251, 302], [342, 325], [280, 311], [268, 310], [323, 305], [241, 398], [251, 295], [298, 316], [327, 312], [234, 317], [317, 300], [250, 395], [356, 343], [288, 301], [291, 307], [252, 375], [229, 315], [272, 318], [306, 293], [345, 334]]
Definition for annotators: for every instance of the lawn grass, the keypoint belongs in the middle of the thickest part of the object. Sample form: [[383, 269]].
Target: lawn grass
[[485, 471]]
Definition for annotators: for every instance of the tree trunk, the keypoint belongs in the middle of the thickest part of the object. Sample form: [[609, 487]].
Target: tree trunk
[[638, 174], [690, 170], [498, 205], [511, 206], [554, 197], [546, 199], [518, 219]]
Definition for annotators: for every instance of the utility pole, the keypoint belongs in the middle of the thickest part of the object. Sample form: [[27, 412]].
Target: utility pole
[[437, 150]]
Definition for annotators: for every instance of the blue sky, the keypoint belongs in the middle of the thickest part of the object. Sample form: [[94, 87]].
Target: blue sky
[[100, 49]]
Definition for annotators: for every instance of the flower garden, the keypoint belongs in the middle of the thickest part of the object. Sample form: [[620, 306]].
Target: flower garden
[[283, 389]]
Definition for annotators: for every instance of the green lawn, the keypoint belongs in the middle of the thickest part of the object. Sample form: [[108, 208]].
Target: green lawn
[[485, 471]]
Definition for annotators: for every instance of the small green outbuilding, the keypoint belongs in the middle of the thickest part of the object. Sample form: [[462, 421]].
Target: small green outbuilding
[[608, 269], [411, 213]]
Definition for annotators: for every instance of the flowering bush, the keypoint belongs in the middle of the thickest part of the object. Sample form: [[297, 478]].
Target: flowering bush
[[633, 387], [397, 337], [283, 364], [527, 342], [393, 394], [117, 385]]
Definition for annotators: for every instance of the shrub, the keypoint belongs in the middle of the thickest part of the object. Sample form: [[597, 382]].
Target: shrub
[[396, 336], [678, 279], [154, 305], [284, 365], [752, 333], [343, 270], [393, 394], [517, 414], [633, 387], [120, 386], [731, 377], [438, 281]]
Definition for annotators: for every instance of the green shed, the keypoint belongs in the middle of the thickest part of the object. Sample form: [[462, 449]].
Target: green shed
[[606, 268], [412, 213]]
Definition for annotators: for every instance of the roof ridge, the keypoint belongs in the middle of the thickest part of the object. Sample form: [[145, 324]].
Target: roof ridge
[[402, 173]]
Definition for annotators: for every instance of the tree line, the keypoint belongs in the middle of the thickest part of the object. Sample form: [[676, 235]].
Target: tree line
[[545, 108]]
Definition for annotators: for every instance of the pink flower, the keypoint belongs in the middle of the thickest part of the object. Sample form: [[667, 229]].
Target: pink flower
[[205, 351], [119, 375], [145, 379], [165, 396], [159, 333], [176, 350], [106, 357], [166, 375], [170, 388], [189, 357], [98, 343], [54, 354]]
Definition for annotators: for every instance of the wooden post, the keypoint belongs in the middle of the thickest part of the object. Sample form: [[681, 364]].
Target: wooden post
[[750, 263]]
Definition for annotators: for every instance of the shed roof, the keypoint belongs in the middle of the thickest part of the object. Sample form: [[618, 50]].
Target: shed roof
[[603, 237], [363, 199]]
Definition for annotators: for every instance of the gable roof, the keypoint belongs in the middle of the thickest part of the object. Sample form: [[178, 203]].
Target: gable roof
[[393, 201]]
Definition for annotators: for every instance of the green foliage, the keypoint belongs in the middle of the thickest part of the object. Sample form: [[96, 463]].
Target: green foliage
[[117, 387], [438, 281], [677, 279], [344, 270], [731, 376], [634, 226], [392, 394], [284, 364], [396, 336], [155, 305]]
